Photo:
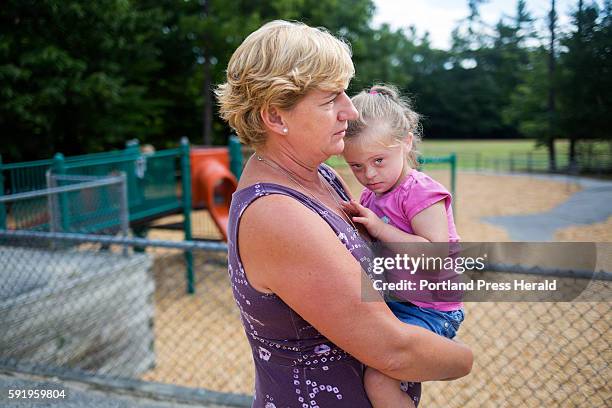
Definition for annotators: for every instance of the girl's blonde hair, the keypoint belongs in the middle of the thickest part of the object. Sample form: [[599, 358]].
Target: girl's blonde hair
[[275, 66], [383, 105]]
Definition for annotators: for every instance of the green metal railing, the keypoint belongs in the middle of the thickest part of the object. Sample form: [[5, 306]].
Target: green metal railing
[[91, 204], [2, 207], [186, 180], [235, 151], [452, 160], [151, 178]]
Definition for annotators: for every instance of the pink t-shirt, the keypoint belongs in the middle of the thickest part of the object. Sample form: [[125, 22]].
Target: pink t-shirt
[[398, 207]]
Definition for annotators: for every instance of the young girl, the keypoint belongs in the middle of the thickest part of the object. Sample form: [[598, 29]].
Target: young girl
[[399, 205]]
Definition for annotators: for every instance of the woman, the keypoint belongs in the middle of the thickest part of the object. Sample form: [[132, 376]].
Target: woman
[[294, 255]]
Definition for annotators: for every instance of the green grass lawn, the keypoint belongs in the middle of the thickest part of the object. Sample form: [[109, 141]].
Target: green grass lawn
[[487, 148], [491, 154], [493, 148]]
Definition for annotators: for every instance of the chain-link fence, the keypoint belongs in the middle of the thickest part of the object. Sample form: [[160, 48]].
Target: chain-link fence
[[93, 309], [533, 355]]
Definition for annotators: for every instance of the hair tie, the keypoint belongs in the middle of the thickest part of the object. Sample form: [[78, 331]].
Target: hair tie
[[373, 92]]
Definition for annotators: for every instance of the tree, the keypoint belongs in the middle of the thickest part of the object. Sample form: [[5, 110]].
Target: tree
[[87, 76], [510, 52], [385, 56], [471, 84], [532, 107], [200, 37], [585, 70], [73, 76], [528, 106], [550, 139]]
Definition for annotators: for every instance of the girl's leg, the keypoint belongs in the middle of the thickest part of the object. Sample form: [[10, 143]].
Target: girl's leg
[[384, 391]]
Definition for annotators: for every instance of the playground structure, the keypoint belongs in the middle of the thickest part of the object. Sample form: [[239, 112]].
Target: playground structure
[[154, 184], [159, 183], [79, 194]]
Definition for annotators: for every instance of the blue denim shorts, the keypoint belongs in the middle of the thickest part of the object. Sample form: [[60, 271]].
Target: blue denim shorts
[[443, 323]]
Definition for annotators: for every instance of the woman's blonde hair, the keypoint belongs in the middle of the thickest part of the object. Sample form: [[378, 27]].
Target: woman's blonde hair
[[383, 105], [274, 67]]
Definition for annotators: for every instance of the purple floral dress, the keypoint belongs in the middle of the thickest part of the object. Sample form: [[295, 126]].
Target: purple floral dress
[[295, 366]]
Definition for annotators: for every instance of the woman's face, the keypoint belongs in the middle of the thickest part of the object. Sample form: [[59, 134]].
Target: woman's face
[[317, 123]]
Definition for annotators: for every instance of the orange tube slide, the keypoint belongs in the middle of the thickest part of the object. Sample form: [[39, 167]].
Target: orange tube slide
[[212, 183]]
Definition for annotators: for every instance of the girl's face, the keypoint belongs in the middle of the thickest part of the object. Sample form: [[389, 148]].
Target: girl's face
[[377, 166]]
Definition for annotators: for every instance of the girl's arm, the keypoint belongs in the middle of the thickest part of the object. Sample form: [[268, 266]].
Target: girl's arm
[[429, 225]]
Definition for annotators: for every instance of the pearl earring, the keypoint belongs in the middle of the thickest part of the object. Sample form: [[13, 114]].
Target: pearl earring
[[285, 130]]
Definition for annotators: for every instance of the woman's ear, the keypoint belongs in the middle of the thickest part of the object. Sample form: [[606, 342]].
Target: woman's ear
[[273, 120]]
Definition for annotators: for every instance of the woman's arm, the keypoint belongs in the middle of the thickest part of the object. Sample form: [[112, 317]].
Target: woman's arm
[[289, 250]]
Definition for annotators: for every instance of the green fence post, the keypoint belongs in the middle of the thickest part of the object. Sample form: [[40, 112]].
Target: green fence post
[[132, 146], [235, 151], [135, 188], [529, 162], [59, 168], [453, 163], [133, 169], [2, 207], [186, 185]]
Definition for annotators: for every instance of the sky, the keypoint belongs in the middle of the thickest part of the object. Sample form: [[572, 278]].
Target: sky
[[439, 17]]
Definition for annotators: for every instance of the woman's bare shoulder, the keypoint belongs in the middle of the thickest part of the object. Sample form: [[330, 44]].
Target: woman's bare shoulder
[[278, 233]]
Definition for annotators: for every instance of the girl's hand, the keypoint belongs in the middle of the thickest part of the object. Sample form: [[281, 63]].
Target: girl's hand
[[365, 217]]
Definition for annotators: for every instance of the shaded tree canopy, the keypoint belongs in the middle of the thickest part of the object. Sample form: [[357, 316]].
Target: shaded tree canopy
[[79, 76]]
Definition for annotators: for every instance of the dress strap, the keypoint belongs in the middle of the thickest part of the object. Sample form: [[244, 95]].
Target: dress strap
[[331, 177]]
